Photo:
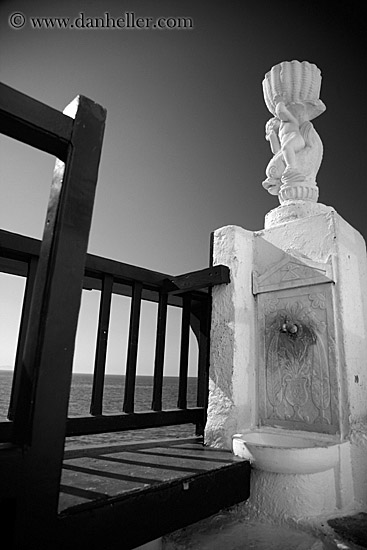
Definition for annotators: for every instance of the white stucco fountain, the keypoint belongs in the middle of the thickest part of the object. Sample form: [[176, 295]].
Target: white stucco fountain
[[288, 374]]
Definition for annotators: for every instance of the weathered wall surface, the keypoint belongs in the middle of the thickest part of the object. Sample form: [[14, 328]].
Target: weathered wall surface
[[323, 238], [328, 236], [232, 384]]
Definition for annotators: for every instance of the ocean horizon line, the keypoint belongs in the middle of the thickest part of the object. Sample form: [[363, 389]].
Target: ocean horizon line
[[83, 373]]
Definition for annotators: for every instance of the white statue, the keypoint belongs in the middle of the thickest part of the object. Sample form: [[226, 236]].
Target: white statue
[[291, 93]]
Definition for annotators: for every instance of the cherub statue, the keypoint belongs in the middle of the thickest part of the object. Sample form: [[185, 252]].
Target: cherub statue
[[290, 137], [296, 146]]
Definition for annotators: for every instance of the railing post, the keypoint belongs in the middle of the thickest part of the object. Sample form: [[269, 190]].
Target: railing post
[[45, 378]]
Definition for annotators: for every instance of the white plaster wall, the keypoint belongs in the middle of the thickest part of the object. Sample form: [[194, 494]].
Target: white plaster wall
[[233, 405], [359, 462], [283, 497], [232, 376], [320, 237], [351, 293], [351, 261], [314, 237]]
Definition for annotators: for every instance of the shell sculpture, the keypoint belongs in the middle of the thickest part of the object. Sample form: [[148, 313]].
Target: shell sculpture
[[294, 82]]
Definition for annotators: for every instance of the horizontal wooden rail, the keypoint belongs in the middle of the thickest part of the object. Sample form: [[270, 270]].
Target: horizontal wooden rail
[[209, 277], [136, 421], [88, 425], [34, 123], [16, 251]]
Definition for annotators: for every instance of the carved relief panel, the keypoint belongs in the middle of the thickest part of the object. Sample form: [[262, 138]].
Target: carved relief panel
[[298, 386]]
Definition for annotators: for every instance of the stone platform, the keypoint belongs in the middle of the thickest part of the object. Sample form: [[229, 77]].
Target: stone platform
[[234, 529]]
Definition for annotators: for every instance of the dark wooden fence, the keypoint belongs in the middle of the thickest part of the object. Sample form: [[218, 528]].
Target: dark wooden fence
[[57, 269], [19, 255]]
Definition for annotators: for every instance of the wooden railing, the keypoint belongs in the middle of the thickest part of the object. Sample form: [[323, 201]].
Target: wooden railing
[[20, 256], [56, 270], [54, 285]]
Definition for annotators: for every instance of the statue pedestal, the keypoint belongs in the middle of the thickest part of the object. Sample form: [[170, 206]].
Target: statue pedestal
[[293, 210], [308, 269]]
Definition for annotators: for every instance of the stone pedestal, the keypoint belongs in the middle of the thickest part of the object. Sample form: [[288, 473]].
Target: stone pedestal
[[326, 238], [290, 211], [306, 271]]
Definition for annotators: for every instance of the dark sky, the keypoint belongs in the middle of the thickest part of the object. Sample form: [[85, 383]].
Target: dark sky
[[184, 150]]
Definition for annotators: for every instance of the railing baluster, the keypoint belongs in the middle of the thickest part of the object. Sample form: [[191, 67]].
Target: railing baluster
[[159, 352], [132, 352], [203, 360], [101, 350], [184, 353], [32, 269]]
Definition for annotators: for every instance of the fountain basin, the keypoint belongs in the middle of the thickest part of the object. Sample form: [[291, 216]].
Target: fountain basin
[[287, 453]]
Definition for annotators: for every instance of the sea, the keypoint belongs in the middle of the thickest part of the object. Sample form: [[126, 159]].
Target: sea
[[80, 398]]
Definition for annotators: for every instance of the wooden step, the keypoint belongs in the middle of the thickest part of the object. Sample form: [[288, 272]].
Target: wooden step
[[138, 492]]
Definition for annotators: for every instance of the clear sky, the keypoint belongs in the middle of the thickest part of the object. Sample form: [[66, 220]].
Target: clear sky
[[184, 150]]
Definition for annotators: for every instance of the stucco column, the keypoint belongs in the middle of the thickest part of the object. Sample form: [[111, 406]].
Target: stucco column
[[232, 375]]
